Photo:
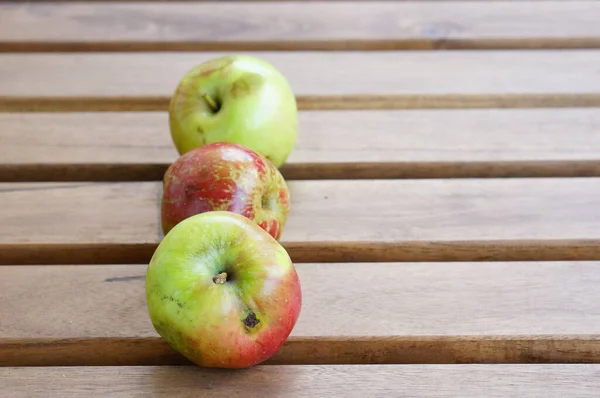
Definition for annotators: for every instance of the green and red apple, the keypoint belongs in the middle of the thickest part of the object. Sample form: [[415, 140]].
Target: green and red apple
[[222, 291], [228, 177], [237, 98]]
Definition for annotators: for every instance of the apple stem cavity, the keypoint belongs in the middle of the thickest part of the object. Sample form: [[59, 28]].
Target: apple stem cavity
[[211, 102], [220, 279]]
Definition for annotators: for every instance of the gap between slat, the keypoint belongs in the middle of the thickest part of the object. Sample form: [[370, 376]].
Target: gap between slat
[[315, 102], [124, 351], [524, 43], [309, 171], [308, 252]]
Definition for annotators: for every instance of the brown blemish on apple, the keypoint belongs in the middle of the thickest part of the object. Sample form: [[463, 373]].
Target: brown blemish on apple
[[200, 132], [265, 202], [240, 87], [245, 85], [251, 320], [191, 191], [172, 299]]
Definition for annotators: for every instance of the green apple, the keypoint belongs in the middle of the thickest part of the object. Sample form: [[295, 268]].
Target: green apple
[[239, 99], [222, 291]]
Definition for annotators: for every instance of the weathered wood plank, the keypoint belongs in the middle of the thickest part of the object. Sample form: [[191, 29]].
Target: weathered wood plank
[[329, 220], [323, 211], [331, 144], [298, 25], [145, 81], [363, 299], [305, 381]]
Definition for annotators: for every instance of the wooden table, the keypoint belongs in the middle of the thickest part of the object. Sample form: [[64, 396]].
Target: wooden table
[[445, 215]]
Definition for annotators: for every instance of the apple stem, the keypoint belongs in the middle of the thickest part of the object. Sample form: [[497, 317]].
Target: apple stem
[[220, 279], [211, 103]]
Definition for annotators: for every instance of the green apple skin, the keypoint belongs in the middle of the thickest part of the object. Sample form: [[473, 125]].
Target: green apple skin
[[235, 320], [256, 107]]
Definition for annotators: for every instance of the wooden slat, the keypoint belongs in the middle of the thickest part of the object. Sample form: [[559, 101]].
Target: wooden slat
[[333, 144], [334, 211], [329, 220], [324, 137], [82, 212], [433, 313], [363, 299], [145, 81], [579, 380], [299, 25]]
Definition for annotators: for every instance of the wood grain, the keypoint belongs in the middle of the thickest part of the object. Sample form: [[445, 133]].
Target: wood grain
[[81, 212], [124, 146], [315, 351], [363, 299], [454, 79], [429, 312], [305, 381], [322, 211], [298, 26]]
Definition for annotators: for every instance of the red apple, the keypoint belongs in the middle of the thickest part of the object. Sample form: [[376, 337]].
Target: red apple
[[222, 291], [228, 177]]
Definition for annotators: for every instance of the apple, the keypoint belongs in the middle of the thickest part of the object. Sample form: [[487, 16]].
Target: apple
[[235, 98], [222, 291], [225, 176]]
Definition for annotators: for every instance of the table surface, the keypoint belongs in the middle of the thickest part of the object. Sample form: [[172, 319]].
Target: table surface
[[445, 192]]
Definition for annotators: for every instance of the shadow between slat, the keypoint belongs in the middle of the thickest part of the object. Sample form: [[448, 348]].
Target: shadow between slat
[[322, 252], [110, 172], [425, 44], [314, 102], [126, 351]]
